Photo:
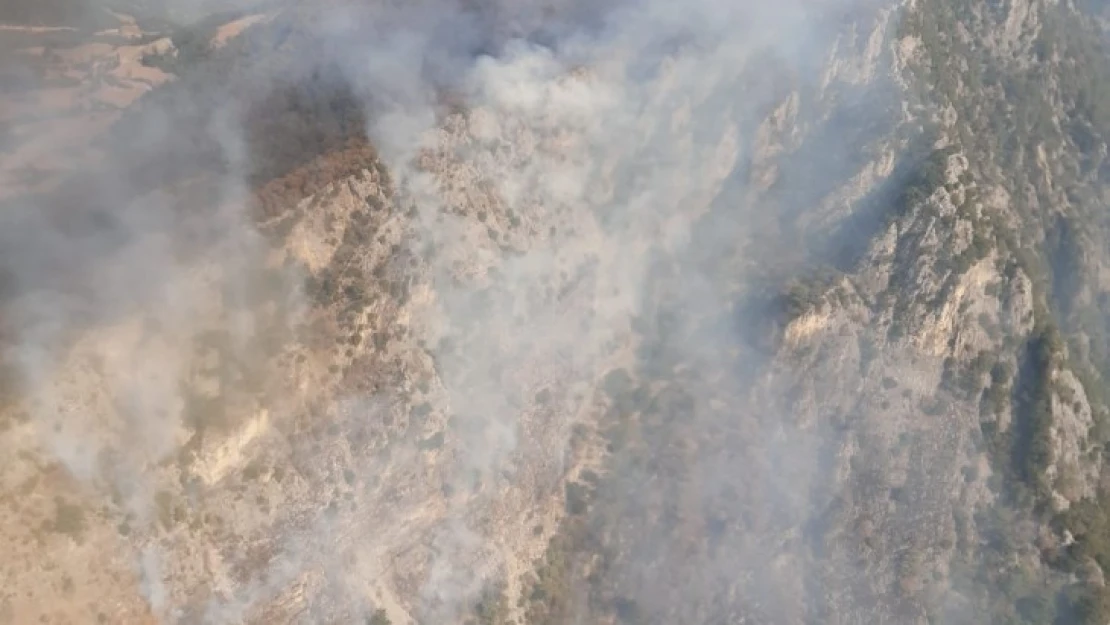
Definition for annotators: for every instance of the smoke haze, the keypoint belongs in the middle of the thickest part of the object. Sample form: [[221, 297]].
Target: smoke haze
[[578, 172]]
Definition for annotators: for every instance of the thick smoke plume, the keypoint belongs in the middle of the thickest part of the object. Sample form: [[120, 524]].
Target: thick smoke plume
[[608, 132]]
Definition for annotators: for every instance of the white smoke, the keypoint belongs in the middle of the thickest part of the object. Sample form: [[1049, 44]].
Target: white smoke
[[594, 138]]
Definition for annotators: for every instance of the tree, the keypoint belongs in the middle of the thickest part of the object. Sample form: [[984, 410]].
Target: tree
[[379, 617]]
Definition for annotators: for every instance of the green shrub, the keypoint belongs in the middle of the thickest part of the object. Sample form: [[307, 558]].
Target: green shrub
[[69, 519]]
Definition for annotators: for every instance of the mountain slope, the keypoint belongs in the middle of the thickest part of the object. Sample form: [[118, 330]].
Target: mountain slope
[[925, 443], [449, 313]]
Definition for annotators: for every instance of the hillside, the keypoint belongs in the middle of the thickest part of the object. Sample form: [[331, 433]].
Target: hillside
[[555, 312]]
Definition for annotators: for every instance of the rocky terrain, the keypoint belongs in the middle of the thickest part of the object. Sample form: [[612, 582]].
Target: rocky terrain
[[537, 313]]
